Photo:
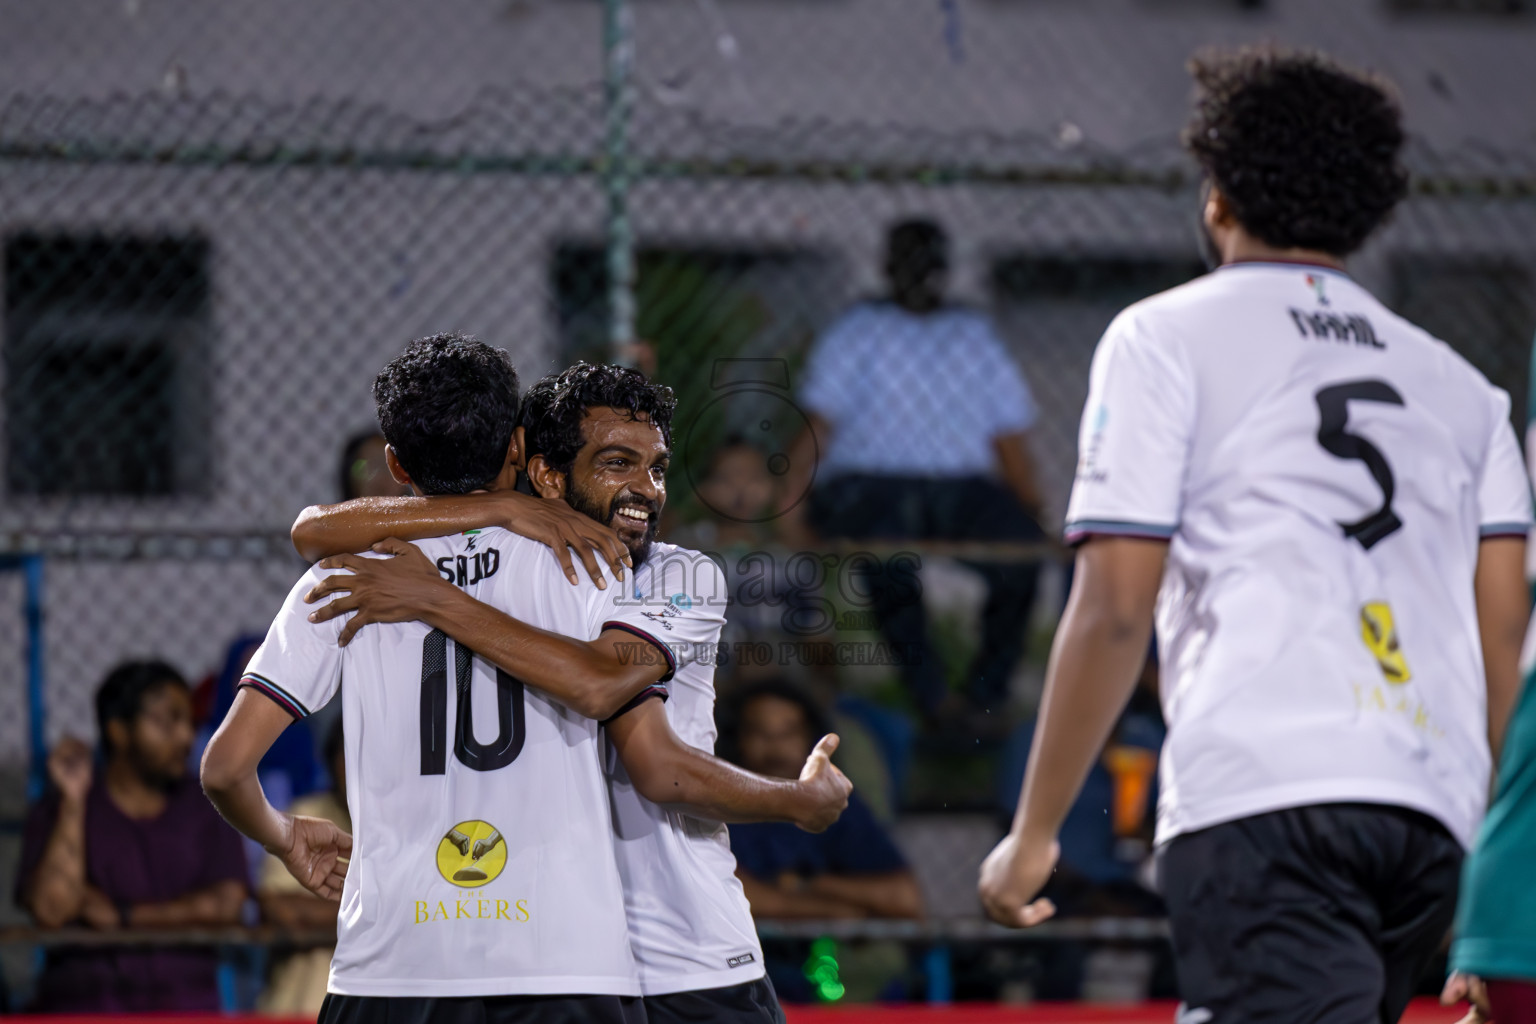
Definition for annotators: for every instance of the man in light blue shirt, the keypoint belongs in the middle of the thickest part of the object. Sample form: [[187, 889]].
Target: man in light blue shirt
[[921, 422]]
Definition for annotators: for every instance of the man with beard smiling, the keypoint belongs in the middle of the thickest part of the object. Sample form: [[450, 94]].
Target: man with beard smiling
[[608, 461], [598, 436]]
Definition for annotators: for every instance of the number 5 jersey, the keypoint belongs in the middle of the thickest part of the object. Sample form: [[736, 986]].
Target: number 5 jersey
[[483, 858], [1324, 471]]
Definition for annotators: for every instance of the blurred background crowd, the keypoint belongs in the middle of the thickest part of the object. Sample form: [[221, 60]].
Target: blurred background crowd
[[219, 221]]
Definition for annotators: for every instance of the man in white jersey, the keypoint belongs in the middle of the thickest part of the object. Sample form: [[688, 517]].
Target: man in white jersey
[[1326, 509], [594, 438], [483, 883]]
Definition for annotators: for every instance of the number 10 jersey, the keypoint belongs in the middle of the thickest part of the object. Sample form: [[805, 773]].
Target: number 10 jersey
[[1324, 471], [483, 858]]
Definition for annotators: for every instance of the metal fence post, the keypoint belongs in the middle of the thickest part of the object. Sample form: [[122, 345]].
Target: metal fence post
[[618, 104], [31, 568], [939, 968]]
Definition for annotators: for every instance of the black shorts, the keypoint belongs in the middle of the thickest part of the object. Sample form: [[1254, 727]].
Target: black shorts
[[1323, 914], [482, 1010], [753, 1002]]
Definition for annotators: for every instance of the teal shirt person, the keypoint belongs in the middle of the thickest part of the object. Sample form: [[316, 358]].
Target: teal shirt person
[[1496, 918]]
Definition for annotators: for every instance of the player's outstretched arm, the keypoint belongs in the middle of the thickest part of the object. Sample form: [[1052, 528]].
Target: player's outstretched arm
[[592, 678], [665, 770], [313, 850], [358, 524], [1095, 660], [1503, 612]]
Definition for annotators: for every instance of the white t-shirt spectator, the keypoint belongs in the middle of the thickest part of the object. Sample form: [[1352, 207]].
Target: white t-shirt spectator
[[1324, 471], [911, 395]]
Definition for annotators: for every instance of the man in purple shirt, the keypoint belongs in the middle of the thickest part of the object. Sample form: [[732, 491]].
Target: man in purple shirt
[[138, 846]]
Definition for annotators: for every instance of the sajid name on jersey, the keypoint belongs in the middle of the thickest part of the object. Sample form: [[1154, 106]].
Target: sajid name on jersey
[[467, 570]]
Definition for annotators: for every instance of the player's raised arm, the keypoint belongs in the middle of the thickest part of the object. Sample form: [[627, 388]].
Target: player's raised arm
[[356, 525], [665, 770], [593, 678], [615, 674]]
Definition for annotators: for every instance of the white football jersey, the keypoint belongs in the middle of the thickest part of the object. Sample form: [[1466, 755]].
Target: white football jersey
[[1324, 471], [482, 860], [689, 922]]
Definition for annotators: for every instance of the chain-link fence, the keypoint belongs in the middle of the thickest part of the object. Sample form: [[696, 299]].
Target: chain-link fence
[[218, 221]]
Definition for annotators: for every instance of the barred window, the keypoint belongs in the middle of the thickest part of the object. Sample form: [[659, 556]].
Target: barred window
[[106, 365]]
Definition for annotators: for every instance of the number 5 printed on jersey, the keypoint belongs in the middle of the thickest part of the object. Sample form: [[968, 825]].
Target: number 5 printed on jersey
[[482, 757], [1333, 405]]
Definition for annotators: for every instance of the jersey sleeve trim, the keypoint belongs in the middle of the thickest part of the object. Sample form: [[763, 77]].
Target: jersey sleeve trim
[[267, 688], [1082, 529], [655, 690], [666, 652], [1503, 530]]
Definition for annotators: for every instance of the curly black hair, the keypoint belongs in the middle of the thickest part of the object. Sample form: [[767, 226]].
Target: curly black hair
[[447, 406], [1305, 151], [555, 407]]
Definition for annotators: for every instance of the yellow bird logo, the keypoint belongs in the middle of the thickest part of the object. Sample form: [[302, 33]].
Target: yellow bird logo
[[1380, 635]]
